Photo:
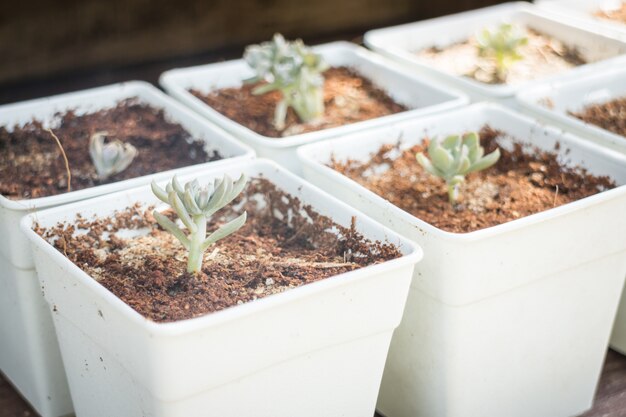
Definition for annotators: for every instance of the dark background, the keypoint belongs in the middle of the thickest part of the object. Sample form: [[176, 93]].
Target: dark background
[[49, 47]]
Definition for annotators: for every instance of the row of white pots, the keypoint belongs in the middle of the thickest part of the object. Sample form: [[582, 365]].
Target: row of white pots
[[464, 321], [33, 366]]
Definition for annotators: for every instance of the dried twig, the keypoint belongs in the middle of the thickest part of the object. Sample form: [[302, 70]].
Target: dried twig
[[556, 194], [67, 164]]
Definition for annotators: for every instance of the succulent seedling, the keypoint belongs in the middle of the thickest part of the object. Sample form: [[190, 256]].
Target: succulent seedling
[[454, 157], [293, 69], [501, 44], [194, 205], [110, 158]]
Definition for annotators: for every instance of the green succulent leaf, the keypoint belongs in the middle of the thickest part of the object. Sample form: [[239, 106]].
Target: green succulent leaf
[[501, 44], [454, 157], [110, 158], [293, 69], [171, 227], [225, 230], [194, 204], [485, 162]]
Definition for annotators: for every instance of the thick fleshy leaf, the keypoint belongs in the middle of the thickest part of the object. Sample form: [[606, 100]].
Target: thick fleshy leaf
[[216, 198], [180, 209], [442, 159], [180, 190], [451, 142], [171, 227], [265, 88], [159, 192], [190, 203], [225, 230], [486, 161], [427, 165]]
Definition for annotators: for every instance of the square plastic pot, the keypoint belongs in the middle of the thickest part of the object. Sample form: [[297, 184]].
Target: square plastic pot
[[574, 95], [583, 11], [33, 368], [552, 102], [406, 88], [317, 350], [512, 320], [401, 42]]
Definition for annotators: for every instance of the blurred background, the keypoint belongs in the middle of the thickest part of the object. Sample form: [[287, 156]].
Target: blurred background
[[49, 47]]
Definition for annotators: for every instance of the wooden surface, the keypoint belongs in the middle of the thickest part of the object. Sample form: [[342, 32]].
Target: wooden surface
[[610, 398], [40, 38]]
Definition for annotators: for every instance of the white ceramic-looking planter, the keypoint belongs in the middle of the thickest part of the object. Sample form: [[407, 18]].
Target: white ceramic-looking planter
[[574, 95], [401, 42], [512, 320], [583, 11], [421, 97], [317, 350], [29, 355]]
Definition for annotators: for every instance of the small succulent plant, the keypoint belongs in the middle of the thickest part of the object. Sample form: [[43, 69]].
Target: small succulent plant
[[194, 205], [293, 69], [110, 158], [454, 157], [501, 44]]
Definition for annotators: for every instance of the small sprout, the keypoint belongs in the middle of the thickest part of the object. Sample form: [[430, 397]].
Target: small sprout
[[293, 69], [501, 44], [194, 205], [454, 157], [111, 158]]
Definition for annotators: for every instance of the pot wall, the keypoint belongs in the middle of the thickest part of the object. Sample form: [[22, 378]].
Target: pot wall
[[400, 43], [29, 351], [512, 320], [583, 12], [574, 95], [33, 367], [324, 343]]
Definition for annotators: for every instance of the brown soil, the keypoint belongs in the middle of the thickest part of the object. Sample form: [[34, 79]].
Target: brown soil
[[348, 98], [265, 257], [523, 182], [610, 115], [542, 56], [618, 14], [32, 165]]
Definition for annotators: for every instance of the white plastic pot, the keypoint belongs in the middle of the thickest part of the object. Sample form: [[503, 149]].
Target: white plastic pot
[[512, 320], [317, 350], [34, 368], [574, 95], [406, 88], [583, 11], [29, 351], [401, 42]]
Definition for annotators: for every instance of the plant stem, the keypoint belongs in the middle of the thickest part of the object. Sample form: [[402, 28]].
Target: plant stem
[[453, 192], [194, 263]]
